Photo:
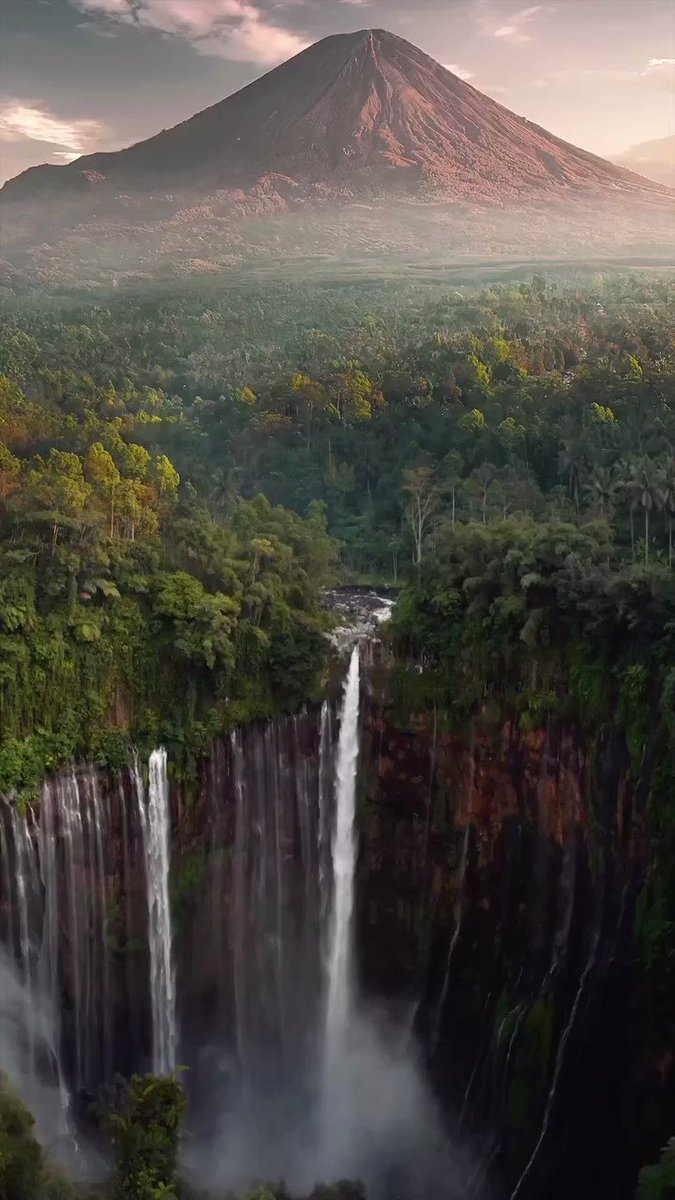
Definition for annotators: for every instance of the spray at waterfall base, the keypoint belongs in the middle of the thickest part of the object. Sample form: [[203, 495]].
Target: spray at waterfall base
[[330, 1089]]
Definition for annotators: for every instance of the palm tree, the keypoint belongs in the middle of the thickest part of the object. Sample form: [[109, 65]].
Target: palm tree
[[668, 497], [649, 494], [603, 487], [630, 490], [572, 462]]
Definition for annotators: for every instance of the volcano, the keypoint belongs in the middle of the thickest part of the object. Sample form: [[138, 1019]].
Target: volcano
[[362, 118]]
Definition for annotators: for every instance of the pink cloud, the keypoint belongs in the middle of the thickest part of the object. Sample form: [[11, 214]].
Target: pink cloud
[[232, 29], [33, 121]]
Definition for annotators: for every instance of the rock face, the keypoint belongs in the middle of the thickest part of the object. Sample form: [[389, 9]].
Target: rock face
[[498, 878], [362, 118], [501, 871]]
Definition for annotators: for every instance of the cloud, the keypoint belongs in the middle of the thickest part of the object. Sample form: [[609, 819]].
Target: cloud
[[459, 71], [658, 73], [232, 29], [23, 120], [514, 30], [110, 8], [493, 21]]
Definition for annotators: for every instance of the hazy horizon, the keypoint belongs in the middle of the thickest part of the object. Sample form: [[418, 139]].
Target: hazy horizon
[[87, 75]]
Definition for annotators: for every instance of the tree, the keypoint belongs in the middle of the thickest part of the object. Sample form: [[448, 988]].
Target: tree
[[165, 477], [630, 491], [311, 399], [451, 469], [104, 476], [10, 469], [658, 1182], [420, 484], [572, 462], [483, 477], [395, 549], [649, 494], [353, 393], [134, 460], [668, 499], [144, 1119], [20, 1154], [603, 488]]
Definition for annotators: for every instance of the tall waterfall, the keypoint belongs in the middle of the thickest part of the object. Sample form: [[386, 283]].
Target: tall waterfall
[[339, 985], [155, 822], [336, 1131]]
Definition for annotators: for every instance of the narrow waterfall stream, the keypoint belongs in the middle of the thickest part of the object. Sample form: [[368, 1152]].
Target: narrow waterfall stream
[[156, 829], [336, 1133]]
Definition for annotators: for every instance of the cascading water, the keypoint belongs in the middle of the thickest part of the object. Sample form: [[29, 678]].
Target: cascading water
[[155, 821], [289, 1077], [339, 974], [29, 1042]]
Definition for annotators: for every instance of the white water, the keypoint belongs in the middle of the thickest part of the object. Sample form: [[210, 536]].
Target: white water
[[29, 1032], [325, 811], [339, 999], [155, 826]]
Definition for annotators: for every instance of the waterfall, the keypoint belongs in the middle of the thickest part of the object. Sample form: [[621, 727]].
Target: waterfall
[[272, 927], [324, 822], [344, 860], [29, 1036], [23, 894], [339, 984], [155, 821]]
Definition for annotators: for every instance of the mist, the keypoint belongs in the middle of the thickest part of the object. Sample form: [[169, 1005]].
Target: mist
[[28, 1059], [375, 1120]]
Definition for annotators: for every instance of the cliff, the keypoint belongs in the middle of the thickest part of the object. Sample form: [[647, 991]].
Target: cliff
[[501, 874], [498, 897]]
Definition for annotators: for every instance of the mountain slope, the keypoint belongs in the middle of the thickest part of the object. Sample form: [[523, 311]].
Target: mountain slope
[[358, 118], [366, 104]]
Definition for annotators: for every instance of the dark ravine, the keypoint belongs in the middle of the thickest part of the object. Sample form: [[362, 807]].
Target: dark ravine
[[498, 877]]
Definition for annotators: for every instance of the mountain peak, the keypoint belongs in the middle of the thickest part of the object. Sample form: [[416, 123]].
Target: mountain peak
[[362, 116], [356, 113]]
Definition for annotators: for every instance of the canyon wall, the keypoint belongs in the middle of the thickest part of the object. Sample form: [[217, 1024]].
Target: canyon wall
[[501, 876], [497, 904]]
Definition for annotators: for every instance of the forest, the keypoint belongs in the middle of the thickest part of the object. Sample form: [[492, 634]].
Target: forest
[[394, 405], [191, 471]]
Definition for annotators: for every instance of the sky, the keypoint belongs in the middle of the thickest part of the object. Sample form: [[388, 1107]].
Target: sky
[[84, 75]]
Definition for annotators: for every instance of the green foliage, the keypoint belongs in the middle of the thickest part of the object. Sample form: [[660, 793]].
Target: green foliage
[[144, 1125], [658, 1182], [159, 640], [23, 1172], [332, 393], [21, 1168], [532, 617]]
